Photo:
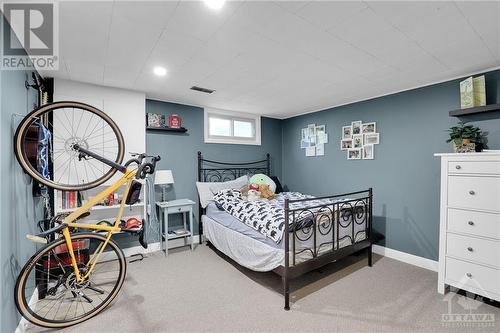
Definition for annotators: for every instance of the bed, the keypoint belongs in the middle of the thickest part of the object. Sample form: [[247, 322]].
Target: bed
[[316, 230]]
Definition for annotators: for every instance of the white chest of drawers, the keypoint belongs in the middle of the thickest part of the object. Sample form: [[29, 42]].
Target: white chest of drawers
[[469, 233]]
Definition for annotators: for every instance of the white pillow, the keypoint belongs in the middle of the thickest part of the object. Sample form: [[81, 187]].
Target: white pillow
[[207, 190]]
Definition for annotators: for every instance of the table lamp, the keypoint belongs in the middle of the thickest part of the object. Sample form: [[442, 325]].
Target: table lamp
[[164, 178]]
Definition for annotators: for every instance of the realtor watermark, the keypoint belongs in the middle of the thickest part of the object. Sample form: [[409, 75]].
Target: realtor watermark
[[29, 36], [466, 311]]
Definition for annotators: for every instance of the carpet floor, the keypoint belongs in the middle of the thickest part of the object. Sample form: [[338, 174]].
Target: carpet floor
[[202, 291]]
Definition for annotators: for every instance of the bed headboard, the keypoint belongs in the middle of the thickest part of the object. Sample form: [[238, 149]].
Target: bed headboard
[[217, 171]]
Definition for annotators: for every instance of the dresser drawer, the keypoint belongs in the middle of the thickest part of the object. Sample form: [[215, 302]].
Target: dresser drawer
[[474, 249], [474, 192], [475, 167], [181, 209], [474, 223], [473, 275]]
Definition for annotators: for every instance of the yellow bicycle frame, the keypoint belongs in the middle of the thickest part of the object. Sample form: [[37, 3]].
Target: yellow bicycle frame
[[127, 178]]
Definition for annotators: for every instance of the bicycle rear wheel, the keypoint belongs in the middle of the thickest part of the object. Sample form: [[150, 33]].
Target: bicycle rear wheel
[[45, 139], [47, 293]]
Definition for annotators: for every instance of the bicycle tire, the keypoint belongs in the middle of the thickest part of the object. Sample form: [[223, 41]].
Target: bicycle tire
[[24, 307], [29, 120]]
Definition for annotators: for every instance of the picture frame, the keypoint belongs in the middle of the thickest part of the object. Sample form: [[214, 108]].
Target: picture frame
[[368, 152], [357, 141], [369, 127], [346, 132], [354, 154], [371, 138], [345, 144], [356, 127]]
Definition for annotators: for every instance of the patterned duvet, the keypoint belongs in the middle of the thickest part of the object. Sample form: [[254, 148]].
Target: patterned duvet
[[265, 216]]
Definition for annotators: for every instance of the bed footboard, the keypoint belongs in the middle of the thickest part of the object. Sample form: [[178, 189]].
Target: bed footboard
[[333, 227]]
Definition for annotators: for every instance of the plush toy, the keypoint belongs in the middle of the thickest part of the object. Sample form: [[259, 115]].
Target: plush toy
[[262, 179], [253, 195], [265, 191]]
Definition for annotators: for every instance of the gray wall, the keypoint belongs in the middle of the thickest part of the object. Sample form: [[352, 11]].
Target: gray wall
[[404, 173], [178, 151], [19, 211]]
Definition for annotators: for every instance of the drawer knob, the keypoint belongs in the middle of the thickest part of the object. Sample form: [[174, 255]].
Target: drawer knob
[[458, 167], [470, 249], [471, 192], [471, 223], [469, 275]]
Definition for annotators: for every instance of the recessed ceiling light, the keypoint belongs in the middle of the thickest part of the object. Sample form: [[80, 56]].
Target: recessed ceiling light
[[215, 4], [160, 71]]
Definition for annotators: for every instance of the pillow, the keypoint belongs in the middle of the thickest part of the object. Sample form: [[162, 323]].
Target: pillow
[[206, 195], [279, 188], [229, 185]]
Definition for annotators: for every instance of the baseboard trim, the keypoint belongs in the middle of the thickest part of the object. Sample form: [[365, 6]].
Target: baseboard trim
[[406, 258]]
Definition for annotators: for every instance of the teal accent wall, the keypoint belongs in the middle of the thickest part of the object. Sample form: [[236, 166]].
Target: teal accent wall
[[404, 174], [179, 151], [19, 210]]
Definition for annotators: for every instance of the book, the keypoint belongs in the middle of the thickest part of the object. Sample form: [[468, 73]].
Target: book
[[180, 232], [479, 88], [467, 93]]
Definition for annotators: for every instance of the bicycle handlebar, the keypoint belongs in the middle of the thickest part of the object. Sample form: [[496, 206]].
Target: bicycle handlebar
[[143, 168]]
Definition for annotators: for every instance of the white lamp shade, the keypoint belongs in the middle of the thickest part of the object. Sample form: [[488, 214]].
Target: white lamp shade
[[164, 177]]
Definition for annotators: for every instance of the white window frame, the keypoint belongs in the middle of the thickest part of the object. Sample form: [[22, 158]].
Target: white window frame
[[224, 114]]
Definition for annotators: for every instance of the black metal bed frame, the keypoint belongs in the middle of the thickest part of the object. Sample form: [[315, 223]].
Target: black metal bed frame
[[343, 210]]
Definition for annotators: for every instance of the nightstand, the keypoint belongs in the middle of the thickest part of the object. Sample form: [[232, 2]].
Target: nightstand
[[180, 206]]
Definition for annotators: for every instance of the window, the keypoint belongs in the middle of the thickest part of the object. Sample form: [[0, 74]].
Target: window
[[231, 127]]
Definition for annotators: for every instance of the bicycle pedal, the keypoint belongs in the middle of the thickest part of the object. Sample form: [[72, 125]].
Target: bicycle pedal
[[36, 239]]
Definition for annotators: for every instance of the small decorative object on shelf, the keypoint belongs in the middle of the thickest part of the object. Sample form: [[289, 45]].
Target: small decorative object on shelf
[[155, 120], [473, 92], [467, 138], [174, 121]]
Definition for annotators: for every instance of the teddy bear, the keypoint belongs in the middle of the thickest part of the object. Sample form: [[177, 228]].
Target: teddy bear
[[266, 192], [253, 195]]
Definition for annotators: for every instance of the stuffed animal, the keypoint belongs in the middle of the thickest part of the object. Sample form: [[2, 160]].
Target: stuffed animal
[[265, 191], [253, 195], [261, 179]]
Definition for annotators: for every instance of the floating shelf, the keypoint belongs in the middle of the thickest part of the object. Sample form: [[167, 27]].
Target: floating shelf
[[167, 129], [475, 110]]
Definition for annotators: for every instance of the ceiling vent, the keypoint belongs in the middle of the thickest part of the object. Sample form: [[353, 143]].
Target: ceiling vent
[[203, 90]]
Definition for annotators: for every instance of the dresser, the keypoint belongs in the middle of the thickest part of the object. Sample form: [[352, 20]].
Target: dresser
[[469, 234]]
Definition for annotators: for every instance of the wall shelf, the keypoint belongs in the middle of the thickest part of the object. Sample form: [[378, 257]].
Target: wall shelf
[[475, 110], [167, 129]]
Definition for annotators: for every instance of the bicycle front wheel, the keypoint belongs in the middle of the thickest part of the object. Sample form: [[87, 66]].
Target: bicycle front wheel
[[47, 293], [45, 140]]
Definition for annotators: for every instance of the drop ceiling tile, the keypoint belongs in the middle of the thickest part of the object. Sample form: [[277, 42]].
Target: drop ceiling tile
[[256, 15], [484, 16], [128, 45], [199, 21], [291, 6], [152, 13], [327, 14], [85, 72], [461, 53], [84, 30]]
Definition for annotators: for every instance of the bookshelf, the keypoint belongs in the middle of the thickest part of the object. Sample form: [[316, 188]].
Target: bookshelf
[[101, 212]]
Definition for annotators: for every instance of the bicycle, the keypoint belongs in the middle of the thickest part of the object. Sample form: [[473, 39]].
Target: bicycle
[[77, 275]]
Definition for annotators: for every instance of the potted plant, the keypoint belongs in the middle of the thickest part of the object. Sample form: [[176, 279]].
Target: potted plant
[[466, 138]]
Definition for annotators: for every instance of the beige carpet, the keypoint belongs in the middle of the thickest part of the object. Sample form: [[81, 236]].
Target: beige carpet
[[202, 292]]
